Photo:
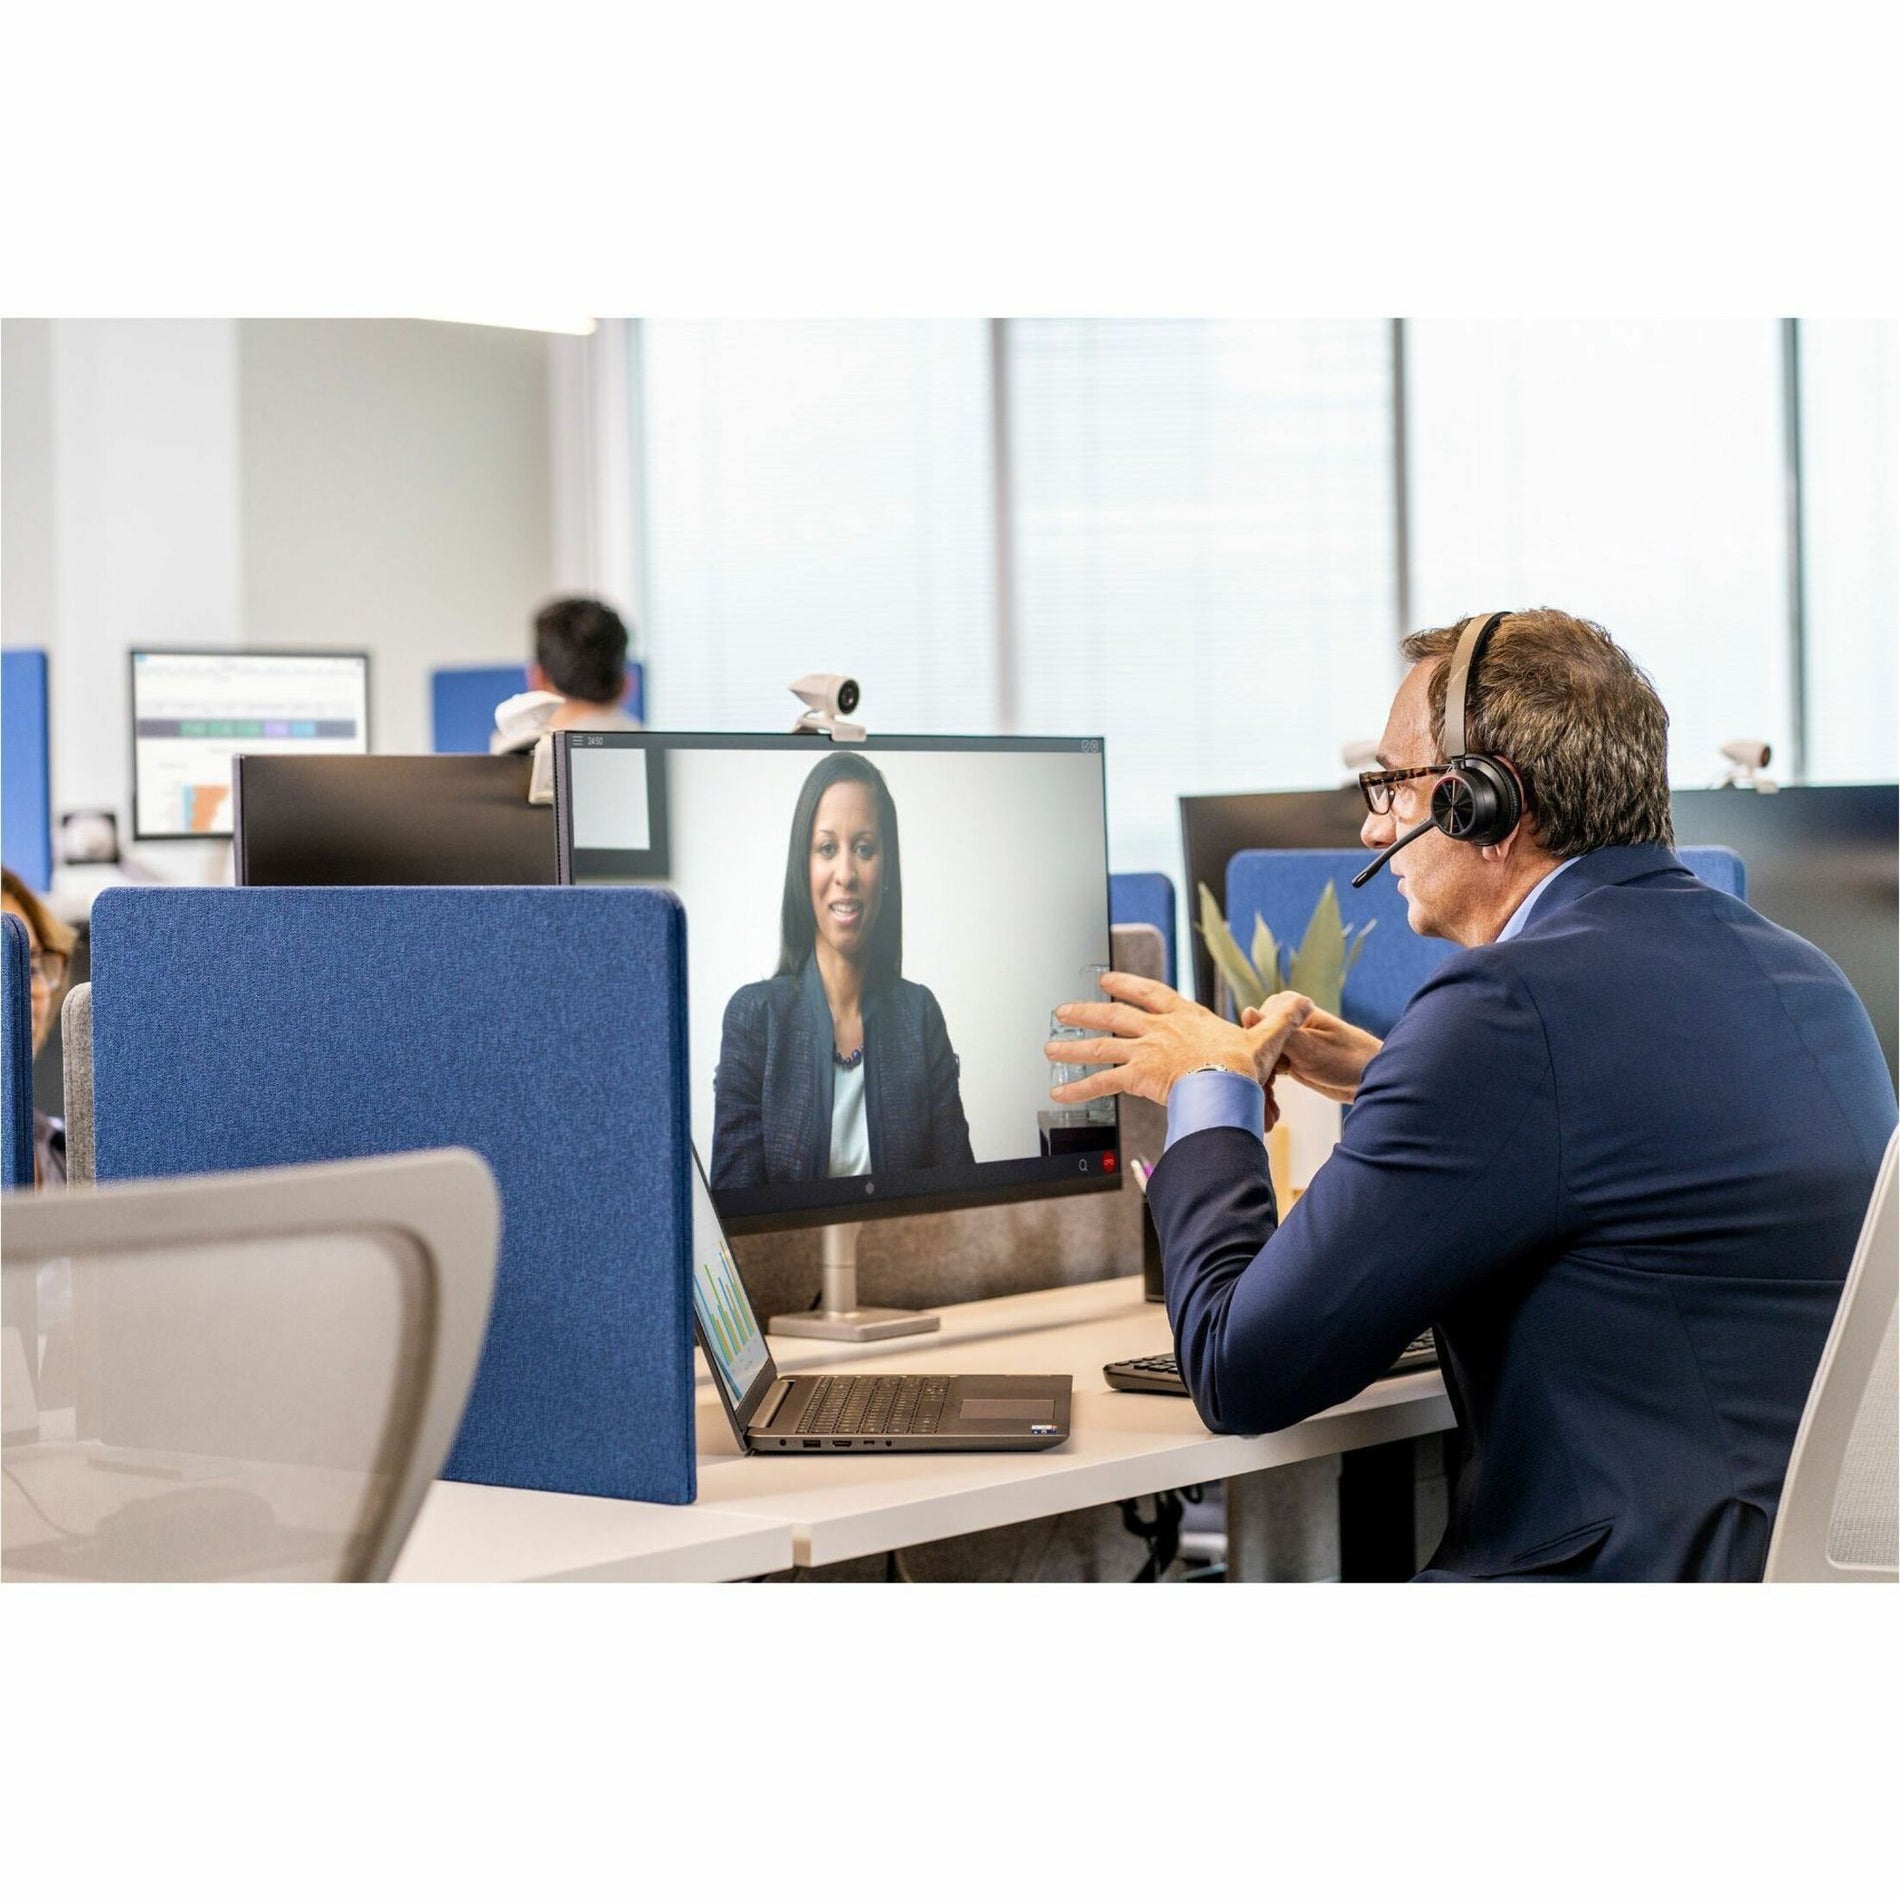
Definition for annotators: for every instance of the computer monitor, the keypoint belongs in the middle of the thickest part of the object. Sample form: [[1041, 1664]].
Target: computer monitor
[[1215, 827], [192, 713], [1824, 862], [446, 818], [1821, 860], [964, 882]]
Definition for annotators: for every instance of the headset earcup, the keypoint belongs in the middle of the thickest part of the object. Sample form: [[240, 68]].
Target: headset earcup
[[1477, 801]]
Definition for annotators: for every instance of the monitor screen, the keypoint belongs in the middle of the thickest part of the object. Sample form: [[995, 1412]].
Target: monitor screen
[[442, 818], [728, 1328], [877, 936], [192, 713], [1214, 827]]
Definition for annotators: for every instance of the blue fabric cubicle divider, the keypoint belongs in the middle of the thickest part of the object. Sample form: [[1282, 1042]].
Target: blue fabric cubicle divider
[[16, 1059], [1717, 866], [26, 792], [1145, 897], [463, 700], [544, 1028], [1283, 887]]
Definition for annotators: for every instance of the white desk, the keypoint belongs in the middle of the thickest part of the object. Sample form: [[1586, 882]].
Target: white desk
[[766, 1513], [478, 1533]]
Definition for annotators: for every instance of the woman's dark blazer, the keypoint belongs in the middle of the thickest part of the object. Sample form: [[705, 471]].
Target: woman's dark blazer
[[772, 1092]]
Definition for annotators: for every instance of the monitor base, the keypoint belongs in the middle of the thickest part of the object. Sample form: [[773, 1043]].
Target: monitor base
[[838, 1314], [860, 1322]]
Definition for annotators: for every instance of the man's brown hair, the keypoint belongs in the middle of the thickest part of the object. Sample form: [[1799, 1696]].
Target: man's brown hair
[[1576, 716]]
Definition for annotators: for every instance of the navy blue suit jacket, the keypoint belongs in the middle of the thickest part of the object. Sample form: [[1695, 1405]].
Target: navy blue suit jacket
[[772, 1093], [1620, 1164]]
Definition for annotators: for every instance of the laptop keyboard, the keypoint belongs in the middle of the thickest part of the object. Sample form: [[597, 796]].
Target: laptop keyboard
[[911, 1406]]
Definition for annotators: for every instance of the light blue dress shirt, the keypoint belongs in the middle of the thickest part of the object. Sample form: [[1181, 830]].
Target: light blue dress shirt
[[1220, 1098]]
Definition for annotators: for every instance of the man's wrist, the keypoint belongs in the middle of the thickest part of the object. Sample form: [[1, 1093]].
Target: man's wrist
[[1236, 1067]]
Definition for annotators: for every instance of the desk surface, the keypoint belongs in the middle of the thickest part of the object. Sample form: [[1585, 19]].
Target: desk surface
[[766, 1512], [1121, 1444], [478, 1533]]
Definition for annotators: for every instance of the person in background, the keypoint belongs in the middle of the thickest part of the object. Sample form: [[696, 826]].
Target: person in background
[[837, 1065], [577, 678], [51, 944]]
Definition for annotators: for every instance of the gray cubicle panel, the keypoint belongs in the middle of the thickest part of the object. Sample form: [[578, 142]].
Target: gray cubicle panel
[[49, 1070]]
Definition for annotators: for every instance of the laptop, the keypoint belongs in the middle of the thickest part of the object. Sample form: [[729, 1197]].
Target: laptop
[[844, 1412]]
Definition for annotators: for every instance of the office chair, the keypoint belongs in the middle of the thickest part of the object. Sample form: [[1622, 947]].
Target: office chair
[[248, 1376], [1839, 1520]]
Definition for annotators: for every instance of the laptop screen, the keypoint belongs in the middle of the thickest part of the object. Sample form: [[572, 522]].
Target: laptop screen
[[728, 1329]]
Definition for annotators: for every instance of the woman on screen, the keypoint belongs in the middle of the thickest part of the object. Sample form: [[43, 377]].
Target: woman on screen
[[836, 1065]]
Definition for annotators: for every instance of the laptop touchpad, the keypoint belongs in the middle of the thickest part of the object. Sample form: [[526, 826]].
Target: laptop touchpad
[[1025, 1410]]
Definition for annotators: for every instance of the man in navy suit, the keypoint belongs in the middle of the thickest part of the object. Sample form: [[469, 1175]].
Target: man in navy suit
[[1617, 1152]]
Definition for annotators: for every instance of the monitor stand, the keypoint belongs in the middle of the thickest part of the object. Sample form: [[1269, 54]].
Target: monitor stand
[[839, 1315]]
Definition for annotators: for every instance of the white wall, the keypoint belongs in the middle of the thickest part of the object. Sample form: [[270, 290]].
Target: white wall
[[356, 484], [396, 497]]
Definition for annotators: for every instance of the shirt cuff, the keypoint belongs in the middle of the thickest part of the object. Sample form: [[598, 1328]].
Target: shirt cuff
[[1216, 1098]]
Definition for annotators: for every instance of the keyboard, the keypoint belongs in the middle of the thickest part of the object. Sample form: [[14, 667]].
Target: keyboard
[[911, 1405], [1161, 1372]]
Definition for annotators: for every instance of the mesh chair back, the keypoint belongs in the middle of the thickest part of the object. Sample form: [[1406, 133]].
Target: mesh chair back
[[1839, 1519], [247, 1376]]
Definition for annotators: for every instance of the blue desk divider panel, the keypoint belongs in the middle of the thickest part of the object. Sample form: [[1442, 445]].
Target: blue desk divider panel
[[251, 1028], [26, 792], [1145, 897], [463, 701], [1717, 866], [16, 1059], [1283, 887]]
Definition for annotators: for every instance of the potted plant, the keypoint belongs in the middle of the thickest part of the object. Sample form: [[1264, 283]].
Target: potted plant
[[1309, 1123]]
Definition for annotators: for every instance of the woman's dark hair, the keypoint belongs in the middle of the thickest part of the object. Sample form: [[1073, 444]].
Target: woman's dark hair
[[797, 930]]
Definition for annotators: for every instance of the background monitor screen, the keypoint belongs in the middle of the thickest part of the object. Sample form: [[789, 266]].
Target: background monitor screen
[[442, 818], [1820, 859], [192, 713], [999, 888]]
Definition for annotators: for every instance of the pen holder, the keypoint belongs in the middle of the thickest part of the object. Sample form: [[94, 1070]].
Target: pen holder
[[1150, 1253]]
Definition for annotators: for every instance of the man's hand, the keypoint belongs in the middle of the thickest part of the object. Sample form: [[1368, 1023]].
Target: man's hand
[[1154, 1036], [1328, 1055]]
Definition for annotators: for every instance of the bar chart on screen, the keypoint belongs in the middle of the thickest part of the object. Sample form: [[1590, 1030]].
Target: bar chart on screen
[[731, 1334]]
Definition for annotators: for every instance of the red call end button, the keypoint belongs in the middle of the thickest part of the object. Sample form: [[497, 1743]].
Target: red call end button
[[1108, 1164]]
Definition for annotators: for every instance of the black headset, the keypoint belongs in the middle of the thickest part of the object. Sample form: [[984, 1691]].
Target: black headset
[[1479, 799]]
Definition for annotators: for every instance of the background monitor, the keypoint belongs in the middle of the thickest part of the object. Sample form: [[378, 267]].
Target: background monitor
[[1822, 861], [439, 819], [1215, 827], [1004, 885], [192, 713]]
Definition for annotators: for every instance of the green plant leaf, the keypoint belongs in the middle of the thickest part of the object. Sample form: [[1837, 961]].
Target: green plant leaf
[[1243, 982], [1266, 955], [1352, 955], [1319, 965]]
